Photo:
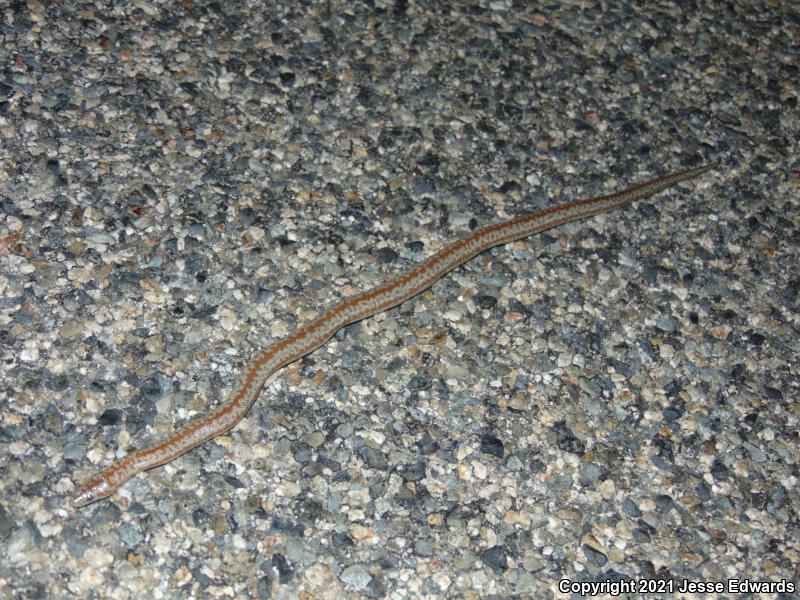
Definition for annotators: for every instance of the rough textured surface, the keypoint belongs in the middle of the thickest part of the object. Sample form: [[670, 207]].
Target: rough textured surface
[[616, 399]]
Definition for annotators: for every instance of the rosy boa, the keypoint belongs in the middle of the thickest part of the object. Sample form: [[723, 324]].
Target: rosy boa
[[383, 297]]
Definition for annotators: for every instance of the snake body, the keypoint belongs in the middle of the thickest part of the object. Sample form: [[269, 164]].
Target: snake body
[[366, 304]]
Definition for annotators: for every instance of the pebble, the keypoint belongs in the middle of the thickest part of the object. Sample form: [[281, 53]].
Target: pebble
[[356, 576]]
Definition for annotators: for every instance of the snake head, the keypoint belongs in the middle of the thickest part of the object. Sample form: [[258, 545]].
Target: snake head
[[93, 490]]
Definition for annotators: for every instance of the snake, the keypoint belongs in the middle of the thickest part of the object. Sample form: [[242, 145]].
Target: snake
[[317, 332]]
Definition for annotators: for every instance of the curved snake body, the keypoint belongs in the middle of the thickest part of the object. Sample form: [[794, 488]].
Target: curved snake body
[[383, 297]]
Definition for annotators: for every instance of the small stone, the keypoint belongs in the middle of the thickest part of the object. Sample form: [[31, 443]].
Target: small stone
[[356, 576], [314, 439], [495, 559], [491, 444]]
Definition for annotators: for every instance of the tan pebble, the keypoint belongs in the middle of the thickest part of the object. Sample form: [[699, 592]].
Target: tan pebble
[[360, 532], [435, 519], [181, 577]]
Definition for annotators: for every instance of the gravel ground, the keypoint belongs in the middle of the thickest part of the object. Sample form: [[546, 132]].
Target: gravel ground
[[613, 401]]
